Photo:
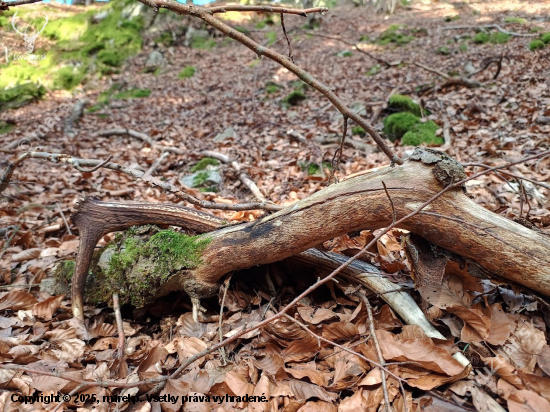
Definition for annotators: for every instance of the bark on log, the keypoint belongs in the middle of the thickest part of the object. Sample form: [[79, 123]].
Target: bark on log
[[453, 221]]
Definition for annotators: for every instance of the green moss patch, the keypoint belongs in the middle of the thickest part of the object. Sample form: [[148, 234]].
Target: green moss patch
[[20, 95], [395, 34], [204, 163], [6, 127], [422, 133], [536, 45], [132, 94], [187, 72], [139, 264], [399, 102], [294, 98], [545, 37], [494, 38], [203, 43], [408, 127], [515, 20], [358, 130]]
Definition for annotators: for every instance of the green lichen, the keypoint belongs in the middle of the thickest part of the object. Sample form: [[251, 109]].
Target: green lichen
[[138, 266], [536, 45], [397, 124], [358, 130], [402, 103], [515, 20], [187, 72], [204, 163], [6, 127], [422, 133]]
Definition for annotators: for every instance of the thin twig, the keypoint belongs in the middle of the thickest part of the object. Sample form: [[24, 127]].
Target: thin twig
[[7, 244], [337, 157], [290, 56], [224, 288], [378, 350], [157, 163], [120, 327], [515, 176], [143, 137], [394, 213], [461, 81], [267, 9]]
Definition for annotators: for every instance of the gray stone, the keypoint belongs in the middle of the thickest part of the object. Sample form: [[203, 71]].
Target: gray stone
[[154, 61], [203, 178], [193, 34], [228, 133]]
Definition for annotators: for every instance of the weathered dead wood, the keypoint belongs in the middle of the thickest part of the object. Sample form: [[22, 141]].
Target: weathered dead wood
[[453, 221], [501, 246]]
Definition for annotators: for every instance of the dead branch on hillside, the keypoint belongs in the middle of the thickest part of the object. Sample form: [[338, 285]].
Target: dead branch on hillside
[[143, 137]]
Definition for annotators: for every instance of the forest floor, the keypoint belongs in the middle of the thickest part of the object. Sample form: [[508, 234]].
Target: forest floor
[[234, 103]]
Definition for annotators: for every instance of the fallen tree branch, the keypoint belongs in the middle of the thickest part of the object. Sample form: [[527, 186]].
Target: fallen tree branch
[[135, 173], [491, 26], [206, 15], [460, 81], [265, 9], [144, 137]]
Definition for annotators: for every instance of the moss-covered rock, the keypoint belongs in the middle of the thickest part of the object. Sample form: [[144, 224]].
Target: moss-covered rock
[[294, 98], [545, 37], [358, 130]]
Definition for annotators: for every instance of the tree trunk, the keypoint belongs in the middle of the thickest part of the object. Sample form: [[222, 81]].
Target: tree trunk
[[453, 221]]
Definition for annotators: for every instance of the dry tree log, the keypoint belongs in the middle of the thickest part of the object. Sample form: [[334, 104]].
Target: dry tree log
[[453, 221]]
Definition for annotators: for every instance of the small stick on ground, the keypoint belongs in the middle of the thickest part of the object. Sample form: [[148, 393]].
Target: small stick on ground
[[157, 163], [224, 288], [378, 350], [460, 81], [143, 137], [120, 328], [242, 174]]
